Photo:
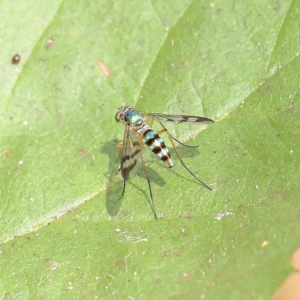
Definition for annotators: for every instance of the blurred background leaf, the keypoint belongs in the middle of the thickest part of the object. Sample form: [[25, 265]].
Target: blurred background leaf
[[237, 63]]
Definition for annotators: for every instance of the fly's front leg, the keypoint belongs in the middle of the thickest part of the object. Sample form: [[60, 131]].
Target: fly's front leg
[[165, 130], [123, 191], [119, 147]]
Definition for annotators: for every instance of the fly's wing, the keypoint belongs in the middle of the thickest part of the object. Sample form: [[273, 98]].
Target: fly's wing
[[131, 155], [179, 118]]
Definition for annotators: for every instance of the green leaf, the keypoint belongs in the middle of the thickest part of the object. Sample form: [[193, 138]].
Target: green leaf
[[64, 231]]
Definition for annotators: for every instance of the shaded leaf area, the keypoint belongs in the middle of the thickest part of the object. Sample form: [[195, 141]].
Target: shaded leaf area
[[235, 62]]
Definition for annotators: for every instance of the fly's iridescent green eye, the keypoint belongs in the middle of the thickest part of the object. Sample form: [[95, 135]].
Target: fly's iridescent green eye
[[118, 116]]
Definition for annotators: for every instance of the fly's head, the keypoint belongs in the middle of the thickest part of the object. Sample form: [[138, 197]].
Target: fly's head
[[131, 118]]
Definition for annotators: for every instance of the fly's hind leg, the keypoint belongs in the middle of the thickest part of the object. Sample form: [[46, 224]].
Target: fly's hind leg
[[165, 130], [170, 136]]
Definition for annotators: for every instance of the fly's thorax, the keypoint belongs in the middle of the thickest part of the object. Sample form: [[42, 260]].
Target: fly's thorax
[[131, 118]]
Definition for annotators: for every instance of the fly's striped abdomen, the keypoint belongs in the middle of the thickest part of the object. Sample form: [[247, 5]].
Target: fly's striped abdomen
[[156, 145]]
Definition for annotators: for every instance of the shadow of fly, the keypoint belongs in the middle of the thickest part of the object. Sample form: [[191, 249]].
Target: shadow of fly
[[138, 133]]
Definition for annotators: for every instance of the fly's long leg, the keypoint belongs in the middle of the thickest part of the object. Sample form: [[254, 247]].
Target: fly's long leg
[[185, 145], [179, 157], [149, 185], [123, 191], [170, 136], [119, 149]]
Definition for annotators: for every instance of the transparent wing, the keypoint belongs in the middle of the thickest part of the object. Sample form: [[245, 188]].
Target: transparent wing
[[131, 155], [179, 118]]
